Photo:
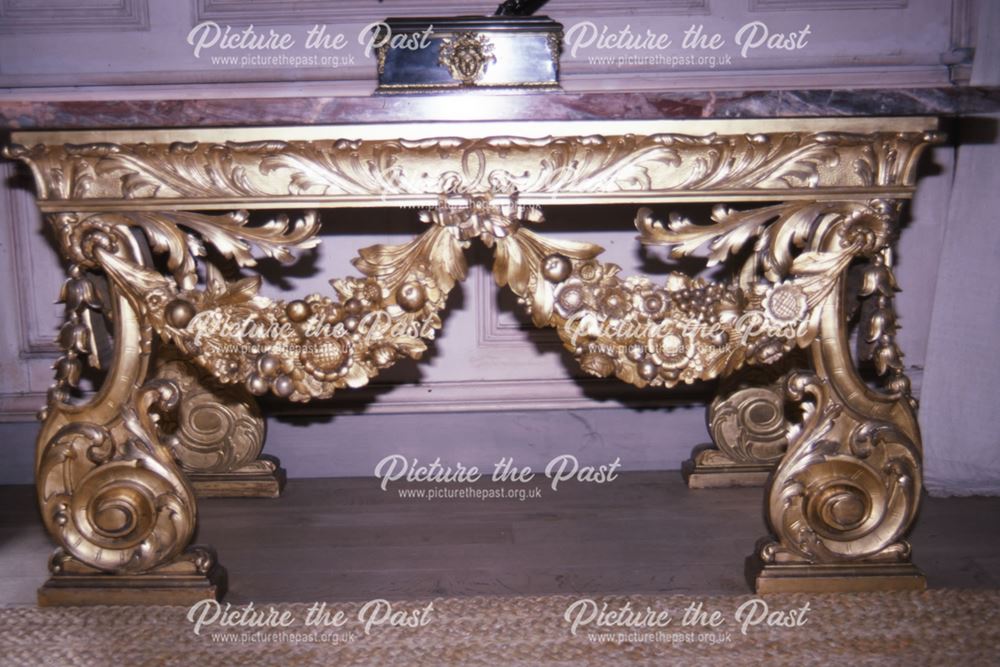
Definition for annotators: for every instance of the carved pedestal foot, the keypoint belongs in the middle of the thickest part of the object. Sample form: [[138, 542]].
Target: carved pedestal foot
[[857, 577], [110, 491], [120, 508], [192, 576], [263, 478], [846, 492], [748, 428], [218, 436]]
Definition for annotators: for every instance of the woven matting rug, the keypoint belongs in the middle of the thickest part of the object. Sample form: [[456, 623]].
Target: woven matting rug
[[940, 627]]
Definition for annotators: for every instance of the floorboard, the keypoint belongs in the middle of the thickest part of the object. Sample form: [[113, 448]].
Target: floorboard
[[346, 539]]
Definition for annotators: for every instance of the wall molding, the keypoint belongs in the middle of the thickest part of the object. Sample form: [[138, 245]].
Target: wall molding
[[964, 23], [964, 27], [462, 396], [21, 407], [19, 16], [360, 80], [441, 397], [823, 5], [498, 328], [291, 12], [35, 338]]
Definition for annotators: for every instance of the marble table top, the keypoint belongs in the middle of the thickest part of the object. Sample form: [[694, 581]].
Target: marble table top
[[235, 111]]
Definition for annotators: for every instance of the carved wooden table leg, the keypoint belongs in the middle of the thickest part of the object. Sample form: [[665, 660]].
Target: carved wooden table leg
[[110, 492], [849, 486], [219, 433]]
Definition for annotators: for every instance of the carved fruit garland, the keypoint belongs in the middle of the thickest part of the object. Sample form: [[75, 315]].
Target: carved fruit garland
[[300, 349], [690, 329], [684, 330]]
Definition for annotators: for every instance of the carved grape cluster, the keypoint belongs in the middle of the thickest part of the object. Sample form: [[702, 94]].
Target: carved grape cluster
[[642, 332]]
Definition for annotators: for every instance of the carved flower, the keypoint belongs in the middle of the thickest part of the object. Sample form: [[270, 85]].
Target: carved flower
[[597, 363], [328, 359], [878, 278], [900, 384], [325, 308], [785, 303], [75, 337], [226, 368], [887, 355], [767, 350], [614, 302], [590, 271], [671, 348], [570, 298], [68, 371], [651, 303], [78, 292], [677, 281], [383, 355], [155, 299], [366, 291], [369, 293]]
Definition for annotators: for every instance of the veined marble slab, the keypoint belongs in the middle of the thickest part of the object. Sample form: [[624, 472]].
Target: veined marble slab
[[235, 111]]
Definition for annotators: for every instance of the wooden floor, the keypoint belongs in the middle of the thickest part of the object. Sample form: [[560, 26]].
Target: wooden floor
[[346, 539]]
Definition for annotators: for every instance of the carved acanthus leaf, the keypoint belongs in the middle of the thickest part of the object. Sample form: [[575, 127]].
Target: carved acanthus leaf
[[438, 251], [376, 169], [726, 237], [229, 234], [520, 257]]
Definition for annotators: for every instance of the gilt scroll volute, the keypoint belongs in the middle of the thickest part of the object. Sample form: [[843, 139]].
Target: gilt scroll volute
[[109, 489]]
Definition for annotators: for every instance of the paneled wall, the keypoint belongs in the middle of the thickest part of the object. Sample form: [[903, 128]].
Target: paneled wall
[[492, 387], [848, 42]]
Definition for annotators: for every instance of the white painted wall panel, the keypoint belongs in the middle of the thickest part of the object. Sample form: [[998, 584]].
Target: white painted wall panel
[[485, 360], [47, 42]]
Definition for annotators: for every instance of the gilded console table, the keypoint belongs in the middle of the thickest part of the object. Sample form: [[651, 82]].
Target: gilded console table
[[154, 228]]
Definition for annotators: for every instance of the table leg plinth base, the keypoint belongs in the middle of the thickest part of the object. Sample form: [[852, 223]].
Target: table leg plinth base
[[700, 477], [264, 478], [722, 473], [833, 578], [63, 590]]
